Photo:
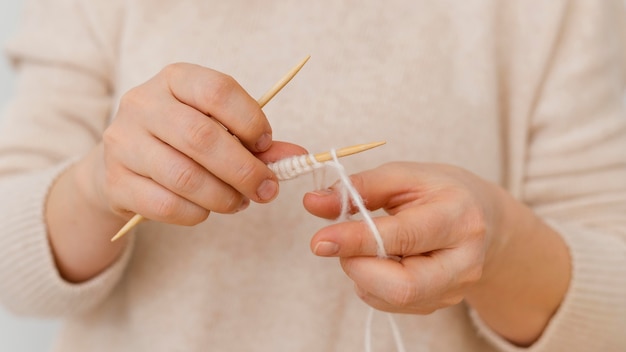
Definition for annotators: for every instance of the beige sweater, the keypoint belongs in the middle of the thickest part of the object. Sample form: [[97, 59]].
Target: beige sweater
[[523, 93]]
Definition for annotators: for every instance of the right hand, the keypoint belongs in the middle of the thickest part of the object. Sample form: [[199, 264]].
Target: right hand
[[170, 154]]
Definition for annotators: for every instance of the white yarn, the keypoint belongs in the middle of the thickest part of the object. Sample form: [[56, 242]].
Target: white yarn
[[293, 167], [358, 201]]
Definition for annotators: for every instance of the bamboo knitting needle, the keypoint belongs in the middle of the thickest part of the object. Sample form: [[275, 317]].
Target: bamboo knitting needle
[[262, 101], [294, 166], [327, 156], [283, 82], [319, 157]]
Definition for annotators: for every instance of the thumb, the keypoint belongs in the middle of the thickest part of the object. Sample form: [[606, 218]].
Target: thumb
[[280, 150]]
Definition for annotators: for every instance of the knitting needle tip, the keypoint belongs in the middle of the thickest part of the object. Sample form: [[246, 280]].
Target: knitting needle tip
[[283, 82], [129, 225]]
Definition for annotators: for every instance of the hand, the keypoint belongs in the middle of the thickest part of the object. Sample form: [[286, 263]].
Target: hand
[[167, 156], [170, 153], [455, 236], [440, 227]]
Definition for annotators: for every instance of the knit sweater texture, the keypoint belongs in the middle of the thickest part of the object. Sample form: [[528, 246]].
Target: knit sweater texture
[[524, 93]]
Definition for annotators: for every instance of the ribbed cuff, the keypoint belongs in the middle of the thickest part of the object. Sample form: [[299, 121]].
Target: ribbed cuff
[[30, 283], [592, 316]]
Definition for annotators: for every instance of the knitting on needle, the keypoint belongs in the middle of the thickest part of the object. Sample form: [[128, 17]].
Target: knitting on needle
[[262, 101], [294, 166], [319, 157]]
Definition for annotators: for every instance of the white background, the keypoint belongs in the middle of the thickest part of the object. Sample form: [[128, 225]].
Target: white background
[[18, 334]]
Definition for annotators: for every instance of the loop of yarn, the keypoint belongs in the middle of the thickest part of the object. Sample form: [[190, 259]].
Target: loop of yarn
[[293, 167]]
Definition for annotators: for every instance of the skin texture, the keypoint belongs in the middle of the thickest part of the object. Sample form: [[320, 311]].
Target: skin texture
[[169, 155], [454, 237]]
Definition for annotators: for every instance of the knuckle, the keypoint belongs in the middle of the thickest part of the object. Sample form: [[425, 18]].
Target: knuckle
[[132, 98], [184, 178], [255, 123], [218, 92], [408, 243], [232, 203], [402, 294], [476, 221], [171, 70], [254, 126], [246, 172], [167, 208], [203, 137], [404, 241]]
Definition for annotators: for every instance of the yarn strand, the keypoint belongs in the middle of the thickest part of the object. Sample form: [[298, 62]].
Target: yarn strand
[[358, 202], [380, 247], [293, 167]]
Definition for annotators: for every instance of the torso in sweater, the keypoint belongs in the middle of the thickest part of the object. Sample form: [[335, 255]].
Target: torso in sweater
[[403, 72]]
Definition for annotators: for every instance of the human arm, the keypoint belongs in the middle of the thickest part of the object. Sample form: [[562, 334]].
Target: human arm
[[162, 157], [62, 86], [531, 279], [568, 168], [456, 240], [50, 153]]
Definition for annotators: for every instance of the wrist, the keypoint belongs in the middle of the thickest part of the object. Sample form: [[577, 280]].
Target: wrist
[[525, 275], [504, 222]]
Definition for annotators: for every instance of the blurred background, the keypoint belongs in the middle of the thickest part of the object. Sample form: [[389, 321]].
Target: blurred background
[[18, 334]]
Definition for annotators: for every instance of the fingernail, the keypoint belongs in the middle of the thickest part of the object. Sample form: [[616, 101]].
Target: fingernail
[[264, 142], [244, 204], [267, 190], [325, 248]]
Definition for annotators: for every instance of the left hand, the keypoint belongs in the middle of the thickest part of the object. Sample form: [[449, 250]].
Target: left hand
[[442, 222]]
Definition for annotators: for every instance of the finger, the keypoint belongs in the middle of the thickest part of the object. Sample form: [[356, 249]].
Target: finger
[[418, 284], [387, 280], [415, 231], [378, 303], [390, 186], [324, 203], [182, 176], [141, 195], [221, 97], [280, 150], [214, 148]]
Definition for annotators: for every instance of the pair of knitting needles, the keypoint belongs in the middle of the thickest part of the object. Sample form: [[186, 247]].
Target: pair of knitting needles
[[320, 157]]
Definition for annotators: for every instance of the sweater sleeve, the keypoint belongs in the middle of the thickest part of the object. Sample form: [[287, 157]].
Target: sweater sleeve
[[575, 177], [61, 105]]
